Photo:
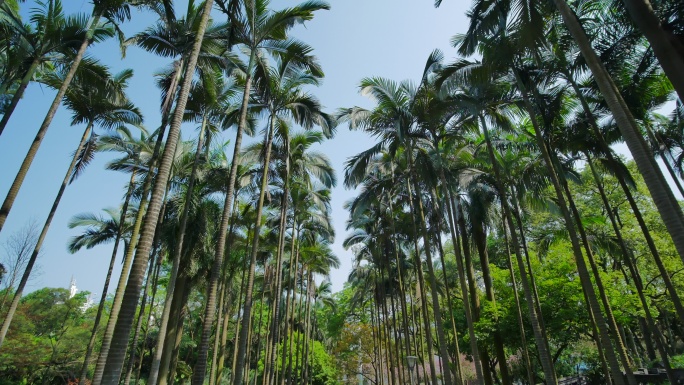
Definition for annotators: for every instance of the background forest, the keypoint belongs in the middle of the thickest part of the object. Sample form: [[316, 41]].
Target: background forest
[[516, 214]]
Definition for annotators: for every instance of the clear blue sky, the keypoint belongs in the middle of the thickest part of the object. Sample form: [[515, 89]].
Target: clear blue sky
[[355, 39]]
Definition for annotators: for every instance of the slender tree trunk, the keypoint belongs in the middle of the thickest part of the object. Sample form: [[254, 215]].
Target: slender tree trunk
[[138, 365], [451, 210], [269, 375], [289, 321], [300, 346], [128, 256], [636, 278], [474, 296], [295, 272], [217, 335], [41, 237], [612, 324], [397, 340], [646, 333], [224, 337], [662, 151], [177, 336], [105, 289], [243, 288], [480, 238], [447, 292], [121, 285], [247, 307], [583, 273], [28, 159], [630, 199], [542, 346], [166, 374], [419, 273], [441, 339], [311, 285], [138, 322], [228, 305], [400, 278], [518, 307], [666, 46], [112, 370], [175, 263], [661, 193], [19, 93], [528, 262]]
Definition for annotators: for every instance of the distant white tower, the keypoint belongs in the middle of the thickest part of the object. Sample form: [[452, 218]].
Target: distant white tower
[[72, 288]]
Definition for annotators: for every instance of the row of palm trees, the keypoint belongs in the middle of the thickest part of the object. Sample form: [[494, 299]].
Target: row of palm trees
[[192, 221], [477, 148]]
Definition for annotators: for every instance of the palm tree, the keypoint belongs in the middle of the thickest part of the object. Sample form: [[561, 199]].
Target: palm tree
[[280, 91], [396, 121], [655, 181], [168, 81], [47, 41], [297, 162], [106, 106], [116, 354], [258, 30], [208, 102], [112, 12]]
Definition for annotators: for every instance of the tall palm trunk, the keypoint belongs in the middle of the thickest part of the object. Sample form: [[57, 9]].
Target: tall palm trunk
[[474, 296], [228, 305], [311, 285], [217, 336], [632, 269], [142, 208], [175, 264], [105, 289], [19, 93], [630, 199], [480, 240], [397, 339], [174, 324], [582, 271], [269, 374], [177, 335], [247, 307], [30, 155], [432, 278], [461, 275], [138, 323], [155, 284], [210, 310], [112, 370], [612, 324], [289, 321], [518, 307], [662, 151], [447, 293], [299, 346], [413, 201], [376, 344], [528, 260], [238, 305], [542, 346], [224, 337], [661, 193], [128, 259], [667, 47], [385, 324], [43, 233]]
